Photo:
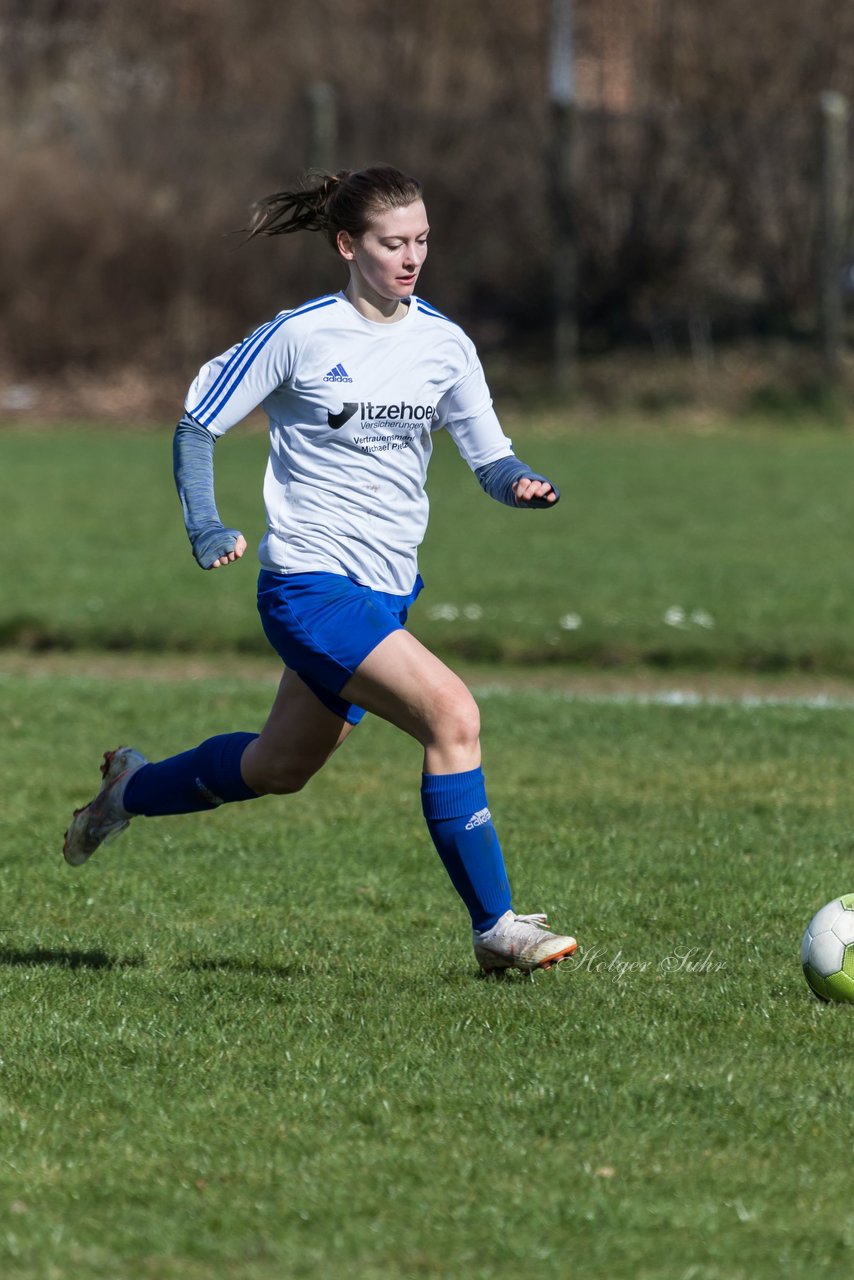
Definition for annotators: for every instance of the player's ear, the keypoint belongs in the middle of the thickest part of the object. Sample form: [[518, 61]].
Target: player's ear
[[344, 242]]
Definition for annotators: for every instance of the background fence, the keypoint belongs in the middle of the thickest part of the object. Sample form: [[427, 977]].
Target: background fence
[[135, 137]]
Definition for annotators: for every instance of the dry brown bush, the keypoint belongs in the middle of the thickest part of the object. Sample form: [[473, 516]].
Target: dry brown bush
[[136, 136]]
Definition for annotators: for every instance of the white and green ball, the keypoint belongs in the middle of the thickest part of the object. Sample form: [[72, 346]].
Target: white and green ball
[[827, 950]]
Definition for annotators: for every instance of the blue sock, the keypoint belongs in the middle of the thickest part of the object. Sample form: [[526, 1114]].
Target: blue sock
[[460, 824], [203, 778]]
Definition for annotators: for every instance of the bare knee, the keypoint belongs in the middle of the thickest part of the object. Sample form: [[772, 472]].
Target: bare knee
[[455, 716]]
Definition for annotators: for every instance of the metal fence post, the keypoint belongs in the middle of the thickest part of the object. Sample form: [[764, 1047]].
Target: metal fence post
[[565, 265], [834, 226], [323, 129]]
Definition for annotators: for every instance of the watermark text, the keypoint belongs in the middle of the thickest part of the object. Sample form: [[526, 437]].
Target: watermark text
[[616, 965]]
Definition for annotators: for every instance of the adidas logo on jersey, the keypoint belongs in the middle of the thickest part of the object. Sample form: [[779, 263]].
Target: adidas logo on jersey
[[338, 374]]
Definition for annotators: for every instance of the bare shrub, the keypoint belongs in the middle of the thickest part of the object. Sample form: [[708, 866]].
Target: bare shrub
[[135, 137]]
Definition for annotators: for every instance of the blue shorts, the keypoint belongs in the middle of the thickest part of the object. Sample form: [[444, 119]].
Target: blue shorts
[[323, 625]]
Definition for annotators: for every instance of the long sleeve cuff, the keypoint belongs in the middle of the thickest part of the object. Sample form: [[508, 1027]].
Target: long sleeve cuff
[[498, 478]]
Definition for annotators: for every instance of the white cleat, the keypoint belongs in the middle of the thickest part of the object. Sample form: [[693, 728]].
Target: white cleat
[[104, 817], [520, 942]]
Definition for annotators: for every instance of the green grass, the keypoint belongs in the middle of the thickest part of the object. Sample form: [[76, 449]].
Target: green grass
[[252, 1045], [743, 530]]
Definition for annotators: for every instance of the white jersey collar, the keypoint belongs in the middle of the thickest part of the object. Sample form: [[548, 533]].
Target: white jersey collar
[[379, 326]]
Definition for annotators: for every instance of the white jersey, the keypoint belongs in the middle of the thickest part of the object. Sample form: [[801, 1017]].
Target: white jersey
[[353, 405]]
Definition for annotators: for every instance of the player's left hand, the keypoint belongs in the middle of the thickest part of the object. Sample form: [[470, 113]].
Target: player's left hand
[[239, 548], [534, 493]]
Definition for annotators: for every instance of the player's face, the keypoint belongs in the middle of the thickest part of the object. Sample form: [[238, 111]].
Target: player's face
[[386, 260]]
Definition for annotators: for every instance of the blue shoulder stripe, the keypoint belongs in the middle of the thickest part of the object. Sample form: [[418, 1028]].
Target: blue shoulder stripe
[[431, 311], [230, 376], [232, 373], [230, 368]]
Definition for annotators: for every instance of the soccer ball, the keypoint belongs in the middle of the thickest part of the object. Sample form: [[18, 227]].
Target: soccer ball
[[827, 950]]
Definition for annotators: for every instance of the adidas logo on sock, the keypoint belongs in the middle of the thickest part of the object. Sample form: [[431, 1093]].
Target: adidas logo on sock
[[206, 794], [338, 374], [478, 819]]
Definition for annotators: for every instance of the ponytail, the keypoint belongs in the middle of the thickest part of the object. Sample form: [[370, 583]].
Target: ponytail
[[345, 201], [287, 211]]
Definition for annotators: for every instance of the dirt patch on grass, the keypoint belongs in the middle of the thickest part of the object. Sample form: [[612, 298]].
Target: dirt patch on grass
[[161, 668], [144, 667]]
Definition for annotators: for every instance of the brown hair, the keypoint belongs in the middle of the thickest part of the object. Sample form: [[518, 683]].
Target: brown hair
[[344, 201]]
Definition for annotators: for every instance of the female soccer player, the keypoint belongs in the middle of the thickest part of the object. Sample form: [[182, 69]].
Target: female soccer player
[[354, 384]]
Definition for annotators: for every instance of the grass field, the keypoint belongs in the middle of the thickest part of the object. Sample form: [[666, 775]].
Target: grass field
[[720, 550], [252, 1044]]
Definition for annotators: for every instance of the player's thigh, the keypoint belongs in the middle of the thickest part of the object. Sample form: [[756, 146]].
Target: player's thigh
[[299, 736], [406, 684]]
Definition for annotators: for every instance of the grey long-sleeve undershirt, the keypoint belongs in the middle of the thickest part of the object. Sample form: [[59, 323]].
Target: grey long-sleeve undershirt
[[192, 461]]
